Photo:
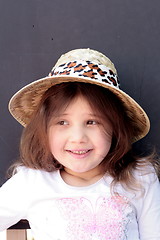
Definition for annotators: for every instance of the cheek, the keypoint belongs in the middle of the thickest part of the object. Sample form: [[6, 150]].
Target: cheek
[[56, 141], [51, 140], [105, 142]]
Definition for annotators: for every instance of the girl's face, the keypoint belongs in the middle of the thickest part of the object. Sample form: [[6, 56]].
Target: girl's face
[[77, 138]]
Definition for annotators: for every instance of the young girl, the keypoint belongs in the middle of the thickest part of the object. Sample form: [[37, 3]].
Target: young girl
[[77, 177]]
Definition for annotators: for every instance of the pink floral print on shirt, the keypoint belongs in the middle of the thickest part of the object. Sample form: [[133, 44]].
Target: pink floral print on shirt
[[107, 219]]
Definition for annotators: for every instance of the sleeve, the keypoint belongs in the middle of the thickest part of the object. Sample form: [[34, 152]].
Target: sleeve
[[149, 214], [13, 200]]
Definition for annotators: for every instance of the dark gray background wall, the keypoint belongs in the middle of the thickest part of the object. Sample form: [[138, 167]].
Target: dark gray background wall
[[34, 33]]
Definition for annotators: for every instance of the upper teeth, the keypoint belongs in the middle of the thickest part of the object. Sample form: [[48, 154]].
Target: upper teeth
[[79, 152]]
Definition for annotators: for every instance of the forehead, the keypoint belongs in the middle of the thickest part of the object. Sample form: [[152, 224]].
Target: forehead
[[78, 105]]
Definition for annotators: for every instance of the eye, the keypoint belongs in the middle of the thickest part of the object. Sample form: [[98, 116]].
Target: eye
[[62, 122], [92, 122]]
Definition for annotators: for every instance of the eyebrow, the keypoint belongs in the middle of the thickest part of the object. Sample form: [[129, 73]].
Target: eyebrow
[[90, 114]]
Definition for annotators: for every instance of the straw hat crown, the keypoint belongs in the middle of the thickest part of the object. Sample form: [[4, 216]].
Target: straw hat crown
[[86, 55]]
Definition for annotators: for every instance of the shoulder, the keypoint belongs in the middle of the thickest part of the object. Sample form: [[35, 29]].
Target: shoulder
[[27, 177], [148, 183], [146, 174], [145, 182]]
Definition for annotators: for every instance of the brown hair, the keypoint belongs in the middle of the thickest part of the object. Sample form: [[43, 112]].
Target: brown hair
[[119, 162]]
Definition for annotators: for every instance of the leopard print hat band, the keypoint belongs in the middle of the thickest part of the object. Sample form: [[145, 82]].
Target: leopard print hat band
[[81, 65], [87, 69]]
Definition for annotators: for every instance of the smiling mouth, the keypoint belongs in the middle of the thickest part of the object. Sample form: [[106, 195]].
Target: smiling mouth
[[79, 152]]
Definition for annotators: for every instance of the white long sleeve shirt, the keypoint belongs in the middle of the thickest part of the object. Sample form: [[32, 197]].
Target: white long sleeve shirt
[[57, 211]]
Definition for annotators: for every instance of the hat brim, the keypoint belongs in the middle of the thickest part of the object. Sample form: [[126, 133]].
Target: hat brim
[[23, 104]]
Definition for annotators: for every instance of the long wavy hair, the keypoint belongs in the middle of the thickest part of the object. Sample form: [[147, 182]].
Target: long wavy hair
[[119, 163]]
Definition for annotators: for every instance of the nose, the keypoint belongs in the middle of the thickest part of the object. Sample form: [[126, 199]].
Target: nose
[[78, 134]]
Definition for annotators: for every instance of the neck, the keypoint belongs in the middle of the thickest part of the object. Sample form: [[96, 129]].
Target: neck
[[81, 179]]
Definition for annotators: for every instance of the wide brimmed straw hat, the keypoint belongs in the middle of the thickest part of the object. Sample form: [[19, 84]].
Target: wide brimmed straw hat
[[79, 65]]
